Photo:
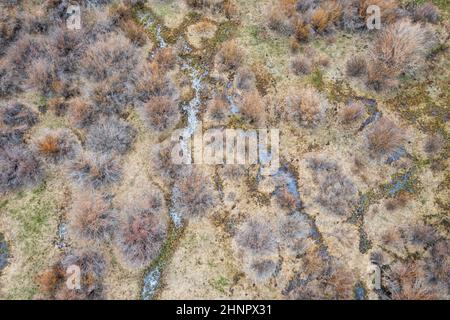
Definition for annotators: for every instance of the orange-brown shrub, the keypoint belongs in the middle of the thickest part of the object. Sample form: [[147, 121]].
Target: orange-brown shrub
[[320, 19], [56, 145], [388, 9]]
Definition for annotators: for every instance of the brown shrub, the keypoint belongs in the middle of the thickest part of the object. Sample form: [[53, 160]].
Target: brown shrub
[[49, 280], [388, 9], [91, 217], [408, 282], [81, 112], [252, 107], [400, 48], [356, 66], [230, 56], [286, 199], [384, 137], [193, 194], [143, 229], [320, 19], [161, 113], [301, 65], [56, 145], [306, 107], [134, 32], [164, 60], [218, 108], [302, 30], [426, 12], [351, 112]]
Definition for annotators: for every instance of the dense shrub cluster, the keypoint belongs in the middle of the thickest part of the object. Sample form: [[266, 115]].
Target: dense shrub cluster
[[95, 170], [15, 120]]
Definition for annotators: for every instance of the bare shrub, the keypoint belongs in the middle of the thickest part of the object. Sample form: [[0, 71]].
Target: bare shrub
[[294, 229], [351, 112], [143, 229], [218, 108], [433, 144], [245, 79], [252, 107], [300, 65], [426, 12], [230, 56], [95, 170], [307, 107], [18, 168], [17, 114], [56, 145], [356, 66], [256, 237], [110, 135], [193, 194], [384, 137], [40, 75], [262, 269], [438, 263], [161, 113], [91, 217], [81, 112], [337, 193], [112, 95]]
